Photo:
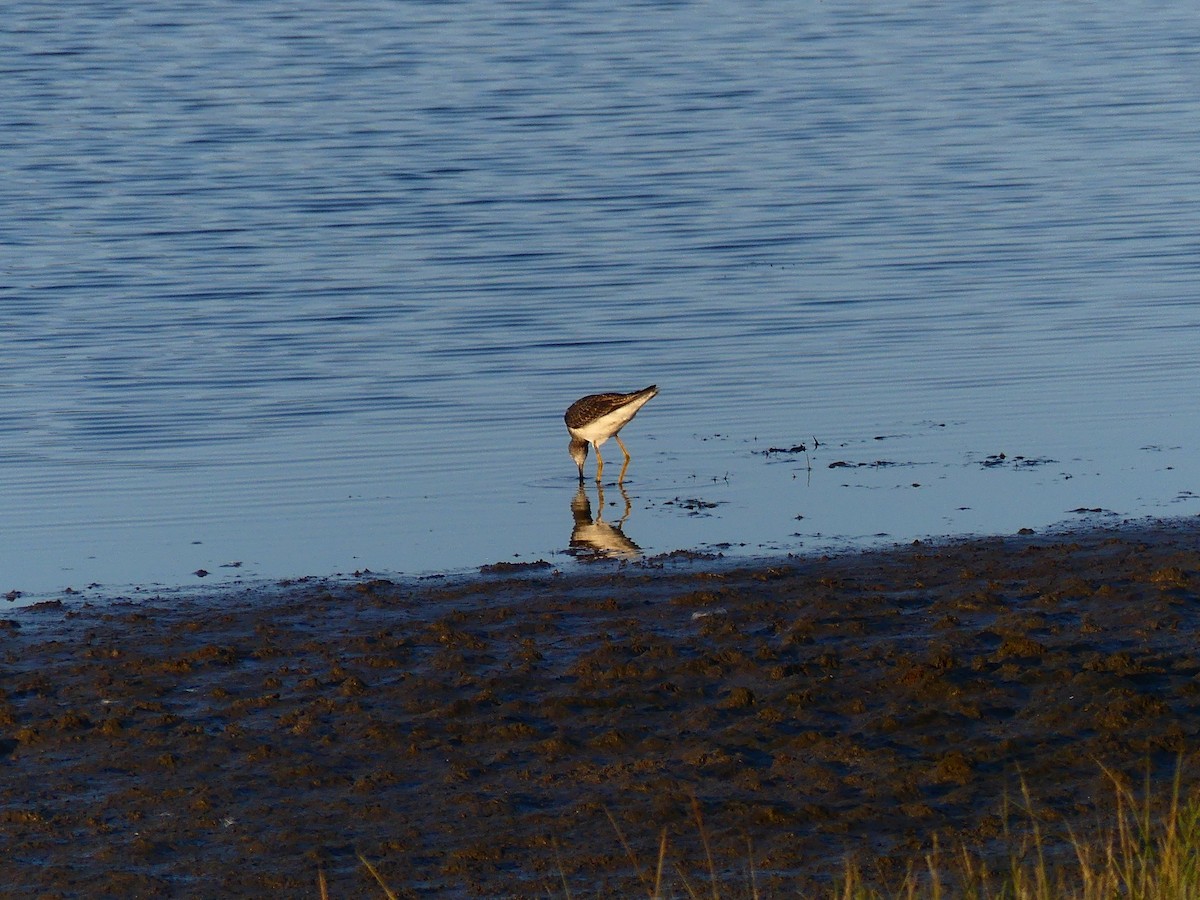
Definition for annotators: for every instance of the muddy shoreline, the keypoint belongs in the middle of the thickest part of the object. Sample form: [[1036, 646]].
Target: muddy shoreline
[[471, 737]]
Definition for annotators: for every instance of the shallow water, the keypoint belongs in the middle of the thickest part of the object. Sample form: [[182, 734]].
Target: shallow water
[[295, 290]]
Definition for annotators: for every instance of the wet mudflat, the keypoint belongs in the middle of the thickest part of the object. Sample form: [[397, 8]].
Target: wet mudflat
[[472, 737]]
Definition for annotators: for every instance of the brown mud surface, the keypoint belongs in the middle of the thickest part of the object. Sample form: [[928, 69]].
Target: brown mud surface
[[471, 737]]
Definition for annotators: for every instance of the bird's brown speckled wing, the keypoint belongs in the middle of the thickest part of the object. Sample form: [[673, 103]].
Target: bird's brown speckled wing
[[593, 406]]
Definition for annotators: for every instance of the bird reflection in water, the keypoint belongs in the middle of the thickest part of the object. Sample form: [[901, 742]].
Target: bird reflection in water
[[595, 538]]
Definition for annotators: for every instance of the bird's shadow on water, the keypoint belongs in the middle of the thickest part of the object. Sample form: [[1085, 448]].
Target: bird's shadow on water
[[593, 538]]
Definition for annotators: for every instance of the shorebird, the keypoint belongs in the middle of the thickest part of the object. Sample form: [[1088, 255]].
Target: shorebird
[[597, 417]]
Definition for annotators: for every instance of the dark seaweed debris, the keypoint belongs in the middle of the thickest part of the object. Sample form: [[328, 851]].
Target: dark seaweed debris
[[459, 734]]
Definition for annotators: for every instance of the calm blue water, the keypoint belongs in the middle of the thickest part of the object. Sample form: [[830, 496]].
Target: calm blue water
[[293, 288]]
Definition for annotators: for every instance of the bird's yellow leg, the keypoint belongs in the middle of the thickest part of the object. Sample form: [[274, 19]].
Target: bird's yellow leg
[[621, 477], [599, 464], [621, 444]]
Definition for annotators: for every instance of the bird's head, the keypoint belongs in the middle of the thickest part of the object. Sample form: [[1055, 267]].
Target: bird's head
[[578, 450]]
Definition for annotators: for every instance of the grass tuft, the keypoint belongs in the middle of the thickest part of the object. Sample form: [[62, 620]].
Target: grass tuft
[[1140, 856], [1149, 851]]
